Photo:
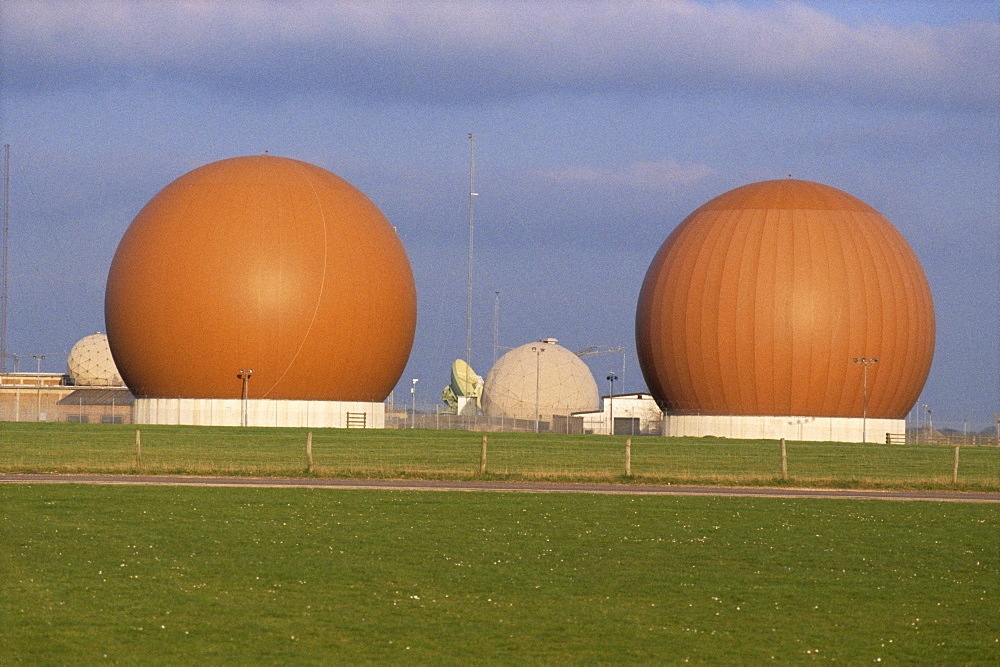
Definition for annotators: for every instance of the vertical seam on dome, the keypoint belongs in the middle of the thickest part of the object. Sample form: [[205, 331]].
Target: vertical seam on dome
[[786, 256], [728, 376], [825, 351], [765, 285], [747, 289], [896, 348], [874, 312], [856, 323], [322, 283], [885, 291], [692, 286]]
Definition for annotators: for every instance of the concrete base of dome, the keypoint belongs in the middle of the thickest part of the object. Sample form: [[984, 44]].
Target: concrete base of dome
[[259, 412], [827, 429]]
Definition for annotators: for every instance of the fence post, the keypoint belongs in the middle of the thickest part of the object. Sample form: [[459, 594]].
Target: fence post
[[784, 460], [954, 467], [482, 456], [309, 450], [628, 457], [138, 449]]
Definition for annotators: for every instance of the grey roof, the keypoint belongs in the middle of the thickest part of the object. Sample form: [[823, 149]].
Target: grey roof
[[98, 397]]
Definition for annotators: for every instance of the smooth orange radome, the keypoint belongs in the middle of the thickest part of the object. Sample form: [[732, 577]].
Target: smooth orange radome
[[262, 263]]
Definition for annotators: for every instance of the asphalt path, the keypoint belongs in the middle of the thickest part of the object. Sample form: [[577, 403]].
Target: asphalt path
[[501, 486]]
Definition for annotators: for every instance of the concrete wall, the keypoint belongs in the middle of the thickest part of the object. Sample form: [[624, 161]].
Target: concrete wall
[[259, 412], [32, 403], [835, 429]]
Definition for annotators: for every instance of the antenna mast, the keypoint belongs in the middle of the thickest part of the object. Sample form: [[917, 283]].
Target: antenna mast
[[6, 234], [472, 199], [496, 325]]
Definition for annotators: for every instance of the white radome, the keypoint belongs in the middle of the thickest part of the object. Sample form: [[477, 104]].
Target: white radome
[[544, 371], [91, 365]]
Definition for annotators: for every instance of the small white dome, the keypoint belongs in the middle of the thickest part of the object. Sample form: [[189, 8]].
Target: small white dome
[[544, 371], [90, 363]]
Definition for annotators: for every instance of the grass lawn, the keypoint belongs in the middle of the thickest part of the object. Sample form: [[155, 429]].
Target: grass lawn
[[168, 575], [386, 453]]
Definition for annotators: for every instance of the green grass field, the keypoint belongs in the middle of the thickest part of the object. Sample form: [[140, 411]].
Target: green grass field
[[180, 575], [429, 453]]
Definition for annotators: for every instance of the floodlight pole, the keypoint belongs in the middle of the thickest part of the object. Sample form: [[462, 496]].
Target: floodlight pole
[[864, 404], [4, 258], [921, 431], [538, 355], [245, 376], [38, 381], [496, 325], [413, 398], [611, 403], [623, 371], [17, 392], [468, 303]]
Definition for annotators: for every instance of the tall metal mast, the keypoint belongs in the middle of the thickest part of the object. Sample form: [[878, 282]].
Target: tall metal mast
[[496, 325], [472, 199], [3, 269]]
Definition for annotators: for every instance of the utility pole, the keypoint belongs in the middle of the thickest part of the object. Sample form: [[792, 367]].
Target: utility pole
[[496, 325], [864, 405], [413, 399], [3, 268], [611, 403], [538, 357], [245, 376], [38, 385]]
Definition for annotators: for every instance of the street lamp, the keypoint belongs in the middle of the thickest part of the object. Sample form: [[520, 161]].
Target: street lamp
[[611, 402], [245, 374], [413, 397], [38, 381], [538, 355], [864, 405]]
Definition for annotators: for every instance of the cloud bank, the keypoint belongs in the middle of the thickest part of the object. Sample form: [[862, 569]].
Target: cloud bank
[[656, 176], [460, 52]]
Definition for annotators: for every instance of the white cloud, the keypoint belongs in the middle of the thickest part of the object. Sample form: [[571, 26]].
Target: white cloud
[[481, 50], [662, 175]]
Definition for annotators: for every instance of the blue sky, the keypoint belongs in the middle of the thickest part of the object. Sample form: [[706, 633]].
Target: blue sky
[[599, 125]]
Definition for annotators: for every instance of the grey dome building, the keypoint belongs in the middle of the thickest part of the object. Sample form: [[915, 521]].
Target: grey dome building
[[542, 375], [90, 363]]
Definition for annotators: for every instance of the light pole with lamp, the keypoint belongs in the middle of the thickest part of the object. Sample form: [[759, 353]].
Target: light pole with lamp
[[413, 398], [864, 404], [611, 403], [38, 381], [538, 355], [244, 375], [921, 430], [17, 393]]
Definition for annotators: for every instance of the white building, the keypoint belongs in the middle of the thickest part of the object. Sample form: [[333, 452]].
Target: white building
[[634, 414]]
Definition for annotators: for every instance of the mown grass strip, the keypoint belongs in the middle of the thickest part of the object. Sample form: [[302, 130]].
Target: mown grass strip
[[170, 575], [422, 453]]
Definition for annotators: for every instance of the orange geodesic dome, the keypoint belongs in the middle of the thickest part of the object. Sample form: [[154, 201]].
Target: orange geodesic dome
[[759, 302], [267, 264]]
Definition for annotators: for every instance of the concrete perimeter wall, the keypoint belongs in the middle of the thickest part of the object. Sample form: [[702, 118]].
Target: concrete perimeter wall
[[259, 412], [835, 429]]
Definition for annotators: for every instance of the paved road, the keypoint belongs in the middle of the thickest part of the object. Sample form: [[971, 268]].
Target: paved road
[[494, 486]]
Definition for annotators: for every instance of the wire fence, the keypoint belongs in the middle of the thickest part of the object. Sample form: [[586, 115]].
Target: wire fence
[[33, 401], [443, 453]]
